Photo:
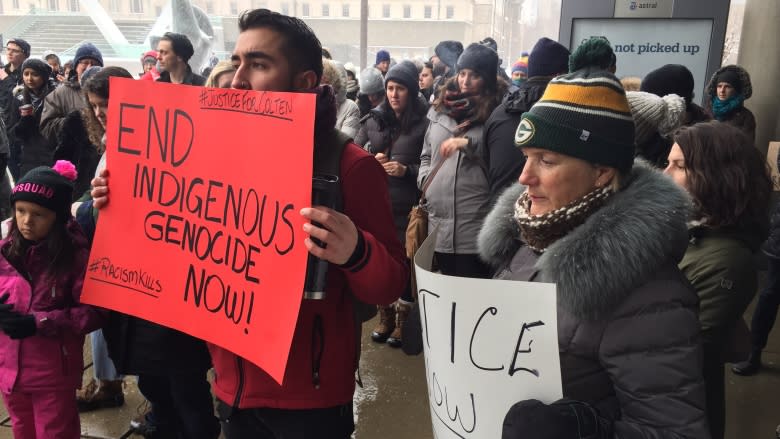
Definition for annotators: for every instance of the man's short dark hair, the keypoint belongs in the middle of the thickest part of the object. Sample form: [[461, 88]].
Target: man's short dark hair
[[181, 44], [300, 42]]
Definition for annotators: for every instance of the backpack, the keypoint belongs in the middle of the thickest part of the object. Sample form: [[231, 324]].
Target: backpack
[[327, 162]]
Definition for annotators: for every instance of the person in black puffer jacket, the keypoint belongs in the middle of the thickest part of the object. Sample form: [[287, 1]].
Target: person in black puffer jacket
[[504, 161], [394, 132]]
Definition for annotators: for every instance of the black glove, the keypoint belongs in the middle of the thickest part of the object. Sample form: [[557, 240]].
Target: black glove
[[6, 309], [563, 419], [19, 326], [14, 324]]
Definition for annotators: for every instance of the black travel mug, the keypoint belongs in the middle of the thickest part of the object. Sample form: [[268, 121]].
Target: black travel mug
[[324, 193]]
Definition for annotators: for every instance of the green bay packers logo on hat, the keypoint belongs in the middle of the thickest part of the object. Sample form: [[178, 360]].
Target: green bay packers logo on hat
[[524, 132]]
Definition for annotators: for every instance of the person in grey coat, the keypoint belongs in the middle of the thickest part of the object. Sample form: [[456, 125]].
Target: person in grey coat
[[609, 234], [457, 198]]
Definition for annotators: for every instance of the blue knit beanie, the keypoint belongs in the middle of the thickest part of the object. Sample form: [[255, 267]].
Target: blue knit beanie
[[382, 55]]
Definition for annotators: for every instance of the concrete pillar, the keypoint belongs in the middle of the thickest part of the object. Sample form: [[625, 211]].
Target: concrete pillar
[[759, 54]]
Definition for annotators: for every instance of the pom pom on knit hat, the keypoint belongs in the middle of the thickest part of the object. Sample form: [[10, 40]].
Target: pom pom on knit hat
[[584, 114], [51, 188], [593, 52], [654, 114]]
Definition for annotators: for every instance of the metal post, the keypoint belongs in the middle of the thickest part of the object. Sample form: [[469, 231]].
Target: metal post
[[363, 34]]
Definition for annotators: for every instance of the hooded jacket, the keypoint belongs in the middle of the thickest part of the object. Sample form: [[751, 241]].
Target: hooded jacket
[[52, 359], [628, 331], [741, 116]]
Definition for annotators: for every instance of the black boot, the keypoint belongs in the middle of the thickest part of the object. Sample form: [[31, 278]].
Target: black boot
[[748, 367]]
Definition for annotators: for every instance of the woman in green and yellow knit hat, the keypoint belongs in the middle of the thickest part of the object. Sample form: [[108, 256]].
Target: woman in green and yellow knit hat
[[609, 234]]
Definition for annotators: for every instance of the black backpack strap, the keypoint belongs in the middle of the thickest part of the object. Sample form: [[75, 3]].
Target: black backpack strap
[[327, 158]]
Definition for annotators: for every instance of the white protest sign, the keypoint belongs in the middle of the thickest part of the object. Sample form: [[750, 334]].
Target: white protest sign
[[645, 44], [488, 344]]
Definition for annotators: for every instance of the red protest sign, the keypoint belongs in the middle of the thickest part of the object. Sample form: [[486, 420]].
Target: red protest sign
[[203, 233]]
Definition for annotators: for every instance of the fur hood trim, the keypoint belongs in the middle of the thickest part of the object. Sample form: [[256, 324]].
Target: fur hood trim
[[617, 249], [744, 78]]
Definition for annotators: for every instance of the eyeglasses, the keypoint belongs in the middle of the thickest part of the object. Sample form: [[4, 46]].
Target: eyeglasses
[[12, 50]]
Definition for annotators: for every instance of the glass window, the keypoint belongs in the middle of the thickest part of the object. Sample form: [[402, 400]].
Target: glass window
[[259, 4], [345, 10], [407, 11], [73, 5], [136, 7], [209, 7], [305, 9], [428, 13], [53, 6], [385, 11], [233, 8], [286, 8], [16, 4], [450, 12], [326, 10], [113, 5]]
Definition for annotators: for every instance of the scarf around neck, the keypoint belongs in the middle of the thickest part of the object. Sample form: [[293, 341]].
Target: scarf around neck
[[540, 231], [722, 109], [461, 106]]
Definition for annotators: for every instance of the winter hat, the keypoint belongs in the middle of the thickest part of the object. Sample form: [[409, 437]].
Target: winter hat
[[38, 65], [89, 73], [448, 52], [584, 114], [482, 60], [182, 46], [669, 79], [149, 57], [731, 77], [521, 65], [490, 42], [382, 55], [23, 45], [88, 50], [595, 52], [654, 114], [405, 73], [548, 58], [371, 81], [51, 188]]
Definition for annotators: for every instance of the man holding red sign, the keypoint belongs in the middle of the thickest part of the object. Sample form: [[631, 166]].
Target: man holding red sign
[[275, 52]]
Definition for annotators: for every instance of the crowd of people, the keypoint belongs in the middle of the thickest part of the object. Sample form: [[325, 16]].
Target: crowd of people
[[644, 208]]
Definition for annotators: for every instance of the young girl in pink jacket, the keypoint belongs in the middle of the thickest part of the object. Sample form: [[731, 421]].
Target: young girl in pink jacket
[[42, 323]]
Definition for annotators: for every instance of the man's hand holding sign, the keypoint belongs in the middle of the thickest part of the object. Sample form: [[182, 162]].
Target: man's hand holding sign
[[221, 226]]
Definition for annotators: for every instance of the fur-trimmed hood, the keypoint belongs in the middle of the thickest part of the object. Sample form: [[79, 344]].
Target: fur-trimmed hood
[[620, 247], [742, 74]]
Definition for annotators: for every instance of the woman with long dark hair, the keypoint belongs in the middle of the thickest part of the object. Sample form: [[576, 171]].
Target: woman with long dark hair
[[458, 196], [394, 133], [729, 183]]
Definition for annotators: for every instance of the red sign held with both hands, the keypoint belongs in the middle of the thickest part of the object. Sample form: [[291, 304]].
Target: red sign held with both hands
[[203, 232]]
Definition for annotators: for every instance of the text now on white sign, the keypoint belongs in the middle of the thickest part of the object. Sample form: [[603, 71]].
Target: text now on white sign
[[488, 344]]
